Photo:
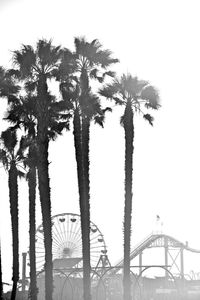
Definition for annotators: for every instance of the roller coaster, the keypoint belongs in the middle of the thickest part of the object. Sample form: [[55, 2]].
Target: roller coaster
[[158, 240]]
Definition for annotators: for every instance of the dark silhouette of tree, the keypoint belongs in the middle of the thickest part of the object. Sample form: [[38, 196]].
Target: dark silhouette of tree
[[35, 68], [135, 95], [11, 154], [88, 62], [21, 113]]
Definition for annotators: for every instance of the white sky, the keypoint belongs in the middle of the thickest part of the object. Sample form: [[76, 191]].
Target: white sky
[[157, 41]]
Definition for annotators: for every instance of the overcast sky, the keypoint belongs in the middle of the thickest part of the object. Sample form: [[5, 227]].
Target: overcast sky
[[157, 41]]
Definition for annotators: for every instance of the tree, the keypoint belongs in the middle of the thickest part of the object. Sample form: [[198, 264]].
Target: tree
[[36, 67], [135, 95], [11, 154], [22, 114], [89, 61]]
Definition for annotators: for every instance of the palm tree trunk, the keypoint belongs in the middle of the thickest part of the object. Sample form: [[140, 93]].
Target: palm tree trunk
[[44, 191], [129, 136], [1, 283], [32, 231], [44, 181], [86, 210], [85, 226], [13, 195]]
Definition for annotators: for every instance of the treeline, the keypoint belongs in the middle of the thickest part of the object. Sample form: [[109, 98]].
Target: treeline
[[40, 117]]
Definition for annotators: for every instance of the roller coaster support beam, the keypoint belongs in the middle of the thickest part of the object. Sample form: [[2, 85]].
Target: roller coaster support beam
[[140, 262], [182, 262]]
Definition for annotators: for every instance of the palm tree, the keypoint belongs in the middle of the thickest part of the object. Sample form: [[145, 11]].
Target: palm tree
[[22, 113], [135, 95], [11, 155], [89, 62], [36, 67]]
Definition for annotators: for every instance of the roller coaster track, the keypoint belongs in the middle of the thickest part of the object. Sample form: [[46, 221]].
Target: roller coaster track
[[153, 240]]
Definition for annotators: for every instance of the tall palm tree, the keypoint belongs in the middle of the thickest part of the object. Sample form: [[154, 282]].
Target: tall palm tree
[[23, 114], [36, 67], [11, 154], [135, 95], [89, 62]]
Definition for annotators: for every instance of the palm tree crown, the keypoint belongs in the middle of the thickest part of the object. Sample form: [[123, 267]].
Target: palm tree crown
[[139, 92]]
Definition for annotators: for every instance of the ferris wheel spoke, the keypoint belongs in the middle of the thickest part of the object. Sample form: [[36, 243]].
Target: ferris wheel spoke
[[64, 230], [39, 247], [40, 237], [41, 242], [58, 235], [55, 242], [97, 247], [55, 237], [78, 240], [39, 252], [76, 229], [77, 235], [96, 237], [71, 229], [40, 259], [61, 231], [67, 228], [40, 267]]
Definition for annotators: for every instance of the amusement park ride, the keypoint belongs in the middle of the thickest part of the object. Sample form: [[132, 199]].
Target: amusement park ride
[[106, 279]]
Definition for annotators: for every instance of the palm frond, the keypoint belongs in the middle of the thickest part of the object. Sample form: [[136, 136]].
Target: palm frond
[[93, 53], [24, 143], [132, 85], [99, 119], [108, 91], [93, 73], [48, 54], [149, 118], [21, 174], [104, 58], [107, 109], [58, 107], [8, 86], [56, 128], [4, 158], [151, 95], [109, 73], [9, 139], [68, 64], [122, 120], [25, 59], [30, 86]]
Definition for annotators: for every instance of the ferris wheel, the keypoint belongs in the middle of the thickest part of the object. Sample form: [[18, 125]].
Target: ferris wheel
[[67, 240]]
